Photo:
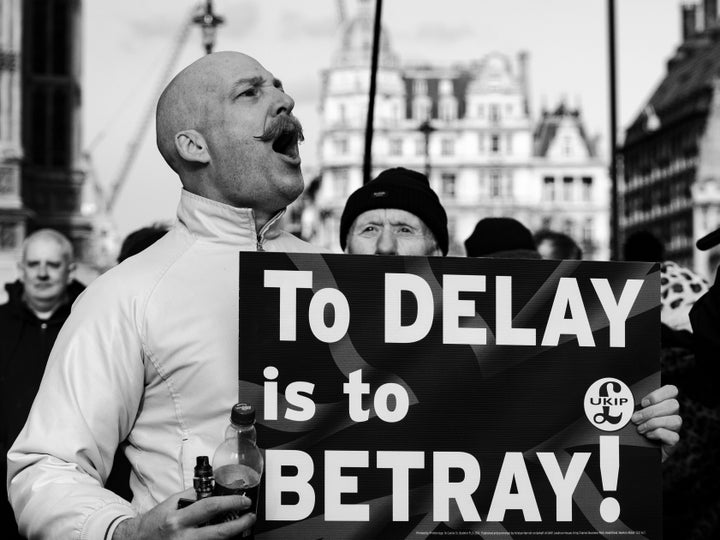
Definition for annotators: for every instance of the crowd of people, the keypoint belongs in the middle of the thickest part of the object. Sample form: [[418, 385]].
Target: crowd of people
[[123, 395]]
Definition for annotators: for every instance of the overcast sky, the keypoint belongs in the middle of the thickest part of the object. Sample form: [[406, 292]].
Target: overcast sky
[[127, 46]]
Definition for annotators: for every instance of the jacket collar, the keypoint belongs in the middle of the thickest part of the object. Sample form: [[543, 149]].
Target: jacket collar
[[218, 222]]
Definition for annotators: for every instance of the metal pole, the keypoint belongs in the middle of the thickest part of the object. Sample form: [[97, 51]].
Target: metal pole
[[367, 159], [427, 154], [426, 129], [614, 212]]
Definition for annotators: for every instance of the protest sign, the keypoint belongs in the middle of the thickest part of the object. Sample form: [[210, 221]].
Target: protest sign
[[412, 397]]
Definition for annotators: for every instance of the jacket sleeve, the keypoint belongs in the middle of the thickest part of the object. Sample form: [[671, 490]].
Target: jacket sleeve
[[87, 403]]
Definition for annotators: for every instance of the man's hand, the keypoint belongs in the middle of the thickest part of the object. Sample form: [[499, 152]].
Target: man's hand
[[165, 521], [659, 419]]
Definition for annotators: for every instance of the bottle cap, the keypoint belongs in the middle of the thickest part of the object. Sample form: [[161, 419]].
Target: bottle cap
[[243, 414], [202, 466]]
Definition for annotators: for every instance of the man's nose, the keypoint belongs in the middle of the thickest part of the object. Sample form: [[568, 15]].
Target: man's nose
[[386, 244], [283, 102], [42, 271]]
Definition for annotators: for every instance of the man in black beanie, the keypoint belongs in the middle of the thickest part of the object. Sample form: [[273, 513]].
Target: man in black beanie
[[397, 213], [501, 238]]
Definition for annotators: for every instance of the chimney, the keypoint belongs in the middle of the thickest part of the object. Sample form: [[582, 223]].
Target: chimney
[[522, 60], [710, 11], [688, 21]]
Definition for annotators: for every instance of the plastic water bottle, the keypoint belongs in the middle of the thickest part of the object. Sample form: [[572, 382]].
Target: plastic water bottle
[[238, 462]]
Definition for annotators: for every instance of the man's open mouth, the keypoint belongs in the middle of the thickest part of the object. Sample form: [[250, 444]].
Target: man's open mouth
[[287, 144]]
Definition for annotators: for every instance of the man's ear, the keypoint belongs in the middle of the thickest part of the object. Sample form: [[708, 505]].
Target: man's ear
[[191, 146]]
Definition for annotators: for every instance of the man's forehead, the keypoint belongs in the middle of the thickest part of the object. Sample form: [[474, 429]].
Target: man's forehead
[[391, 215], [44, 247], [241, 67], [221, 69]]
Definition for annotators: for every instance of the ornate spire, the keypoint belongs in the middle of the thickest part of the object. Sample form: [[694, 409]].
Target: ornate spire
[[356, 40]]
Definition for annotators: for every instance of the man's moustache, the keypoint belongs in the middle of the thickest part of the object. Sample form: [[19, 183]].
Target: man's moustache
[[281, 124]]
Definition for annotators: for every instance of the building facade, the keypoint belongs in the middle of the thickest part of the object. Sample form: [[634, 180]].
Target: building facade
[[13, 215], [671, 154], [41, 180], [471, 128]]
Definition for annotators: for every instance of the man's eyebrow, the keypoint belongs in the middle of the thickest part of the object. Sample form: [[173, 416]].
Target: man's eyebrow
[[248, 81], [404, 223]]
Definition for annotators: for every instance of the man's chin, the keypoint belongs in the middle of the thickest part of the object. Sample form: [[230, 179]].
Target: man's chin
[[44, 295], [295, 185]]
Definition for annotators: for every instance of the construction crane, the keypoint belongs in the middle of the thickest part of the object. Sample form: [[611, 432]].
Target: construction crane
[[201, 15], [147, 115]]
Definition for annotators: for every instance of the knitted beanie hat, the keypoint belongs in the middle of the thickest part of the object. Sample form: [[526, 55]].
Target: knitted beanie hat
[[498, 234], [401, 189]]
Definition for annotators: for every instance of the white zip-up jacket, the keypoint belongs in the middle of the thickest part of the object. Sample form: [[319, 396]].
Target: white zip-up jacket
[[149, 353]]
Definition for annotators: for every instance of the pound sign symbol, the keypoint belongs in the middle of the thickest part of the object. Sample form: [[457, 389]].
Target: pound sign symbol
[[605, 415]]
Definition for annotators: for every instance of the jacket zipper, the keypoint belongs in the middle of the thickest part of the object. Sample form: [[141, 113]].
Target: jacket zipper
[[265, 228]]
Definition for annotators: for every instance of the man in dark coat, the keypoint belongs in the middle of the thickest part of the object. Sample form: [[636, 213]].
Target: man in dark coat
[[38, 304]]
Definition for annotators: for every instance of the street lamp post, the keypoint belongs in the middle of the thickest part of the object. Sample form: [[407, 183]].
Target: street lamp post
[[208, 22], [426, 129], [614, 201], [369, 125]]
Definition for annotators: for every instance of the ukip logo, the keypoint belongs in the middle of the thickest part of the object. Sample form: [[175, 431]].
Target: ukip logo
[[609, 404]]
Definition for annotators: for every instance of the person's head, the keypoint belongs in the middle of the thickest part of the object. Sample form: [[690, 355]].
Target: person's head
[[225, 126], [138, 240], [396, 213], [501, 237], [556, 245], [643, 246], [46, 268]]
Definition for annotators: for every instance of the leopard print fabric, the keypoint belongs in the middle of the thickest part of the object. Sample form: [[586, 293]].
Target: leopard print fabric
[[680, 287]]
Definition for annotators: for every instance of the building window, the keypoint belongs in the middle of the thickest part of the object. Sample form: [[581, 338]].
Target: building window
[[342, 112], [546, 223], [447, 147], [395, 147], [448, 184], [495, 184], [7, 180], [341, 146], [481, 111], [419, 147], [587, 231], [508, 109], [568, 227], [587, 183], [481, 143], [494, 144], [494, 113], [508, 143], [567, 188], [7, 236], [448, 109], [549, 188], [452, 227], [340, 182], [421, 109], [395, 112]]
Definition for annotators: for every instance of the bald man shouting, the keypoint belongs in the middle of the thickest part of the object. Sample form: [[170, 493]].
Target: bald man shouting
[[149, 359]]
